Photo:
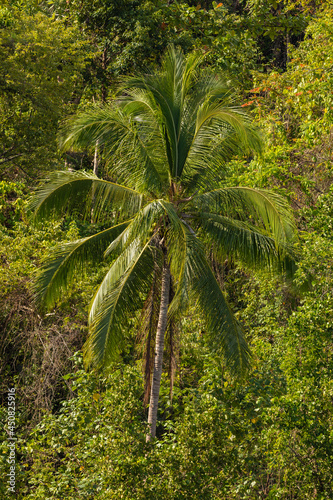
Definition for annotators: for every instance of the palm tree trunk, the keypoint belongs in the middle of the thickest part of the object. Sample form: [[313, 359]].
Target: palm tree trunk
[[96, 160], [159, 347]]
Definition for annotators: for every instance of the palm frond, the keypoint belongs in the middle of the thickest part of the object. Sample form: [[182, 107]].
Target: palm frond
[[68, 261], [169, 88], [140, 228], [183, 247], [121, 294], [190, 76], [265, 208], [220, 132], [67, 190], [194, 279], [227, 236], [197, 124], [137, 234], [140, 106], [225, 334], [128, 134]]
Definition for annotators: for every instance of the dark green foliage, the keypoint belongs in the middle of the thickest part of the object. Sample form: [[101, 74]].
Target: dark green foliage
[[41, 65], [81, 435]]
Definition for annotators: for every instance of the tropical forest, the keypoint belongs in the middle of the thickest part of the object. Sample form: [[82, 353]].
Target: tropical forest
[[166, 249]]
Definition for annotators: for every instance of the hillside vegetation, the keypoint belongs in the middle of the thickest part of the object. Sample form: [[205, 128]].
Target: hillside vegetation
[[81, 433]]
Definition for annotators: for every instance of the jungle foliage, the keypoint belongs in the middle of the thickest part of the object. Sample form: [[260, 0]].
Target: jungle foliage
[[81, 434]]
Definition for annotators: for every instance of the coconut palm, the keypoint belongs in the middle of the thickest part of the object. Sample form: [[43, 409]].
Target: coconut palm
[[166, 138]]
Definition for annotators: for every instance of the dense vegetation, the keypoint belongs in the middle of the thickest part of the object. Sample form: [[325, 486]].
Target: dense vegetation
[[82, 433]]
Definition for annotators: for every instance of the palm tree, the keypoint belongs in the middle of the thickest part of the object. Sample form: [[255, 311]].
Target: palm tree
[[167, 139]]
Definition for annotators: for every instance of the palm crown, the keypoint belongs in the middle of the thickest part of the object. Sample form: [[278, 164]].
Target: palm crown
[[167, 138]]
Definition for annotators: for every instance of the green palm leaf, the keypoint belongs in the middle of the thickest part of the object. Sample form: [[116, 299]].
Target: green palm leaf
[[251, 246], [225, 334], [137, 234], [170, 88], [141, 228], [127, 134], [266, 208], [194, 279], [221, 130], [59, 269], [184, 251], [120, 295], [67, 190]]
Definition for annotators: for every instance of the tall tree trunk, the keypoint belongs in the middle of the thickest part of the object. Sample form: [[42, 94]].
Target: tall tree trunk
[[159, 347], [96, 159], [96, 162]]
